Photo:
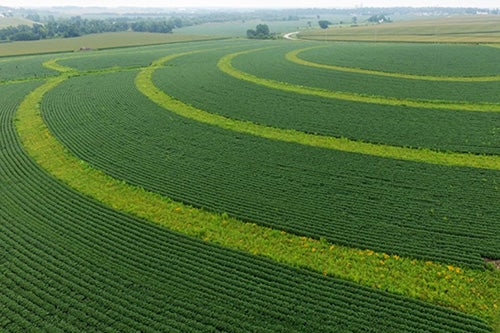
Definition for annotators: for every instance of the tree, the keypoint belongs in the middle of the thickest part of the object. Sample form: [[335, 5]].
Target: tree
[[324, 24], [260, 32], [381, 18], [251, 33]]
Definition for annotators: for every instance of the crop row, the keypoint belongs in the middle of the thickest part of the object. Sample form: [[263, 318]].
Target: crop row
[[361, 201], [470, 290], [273, 65], [294, 56], [411, 58], [198, 82], [71, 264], [24, 68], [138, 58]]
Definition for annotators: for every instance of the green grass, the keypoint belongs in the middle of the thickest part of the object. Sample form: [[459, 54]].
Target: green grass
[[468, 290]]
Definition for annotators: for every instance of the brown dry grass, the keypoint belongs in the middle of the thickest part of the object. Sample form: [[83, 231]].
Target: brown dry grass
[[456, 29]]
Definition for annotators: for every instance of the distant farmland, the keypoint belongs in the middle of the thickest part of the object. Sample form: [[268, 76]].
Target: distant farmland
[[455, 29], [13, 21], [93, 42], [243, 185]]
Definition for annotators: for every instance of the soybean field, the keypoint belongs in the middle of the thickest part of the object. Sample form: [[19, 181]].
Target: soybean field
[[244, 185]]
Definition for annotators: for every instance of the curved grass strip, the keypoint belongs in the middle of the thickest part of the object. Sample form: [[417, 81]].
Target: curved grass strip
[[145, 85], [293, 56], [226, 66], [52, 64], [21, 81]]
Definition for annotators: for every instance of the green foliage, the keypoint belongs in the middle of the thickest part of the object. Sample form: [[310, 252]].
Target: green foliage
[[76, 26], [379, 18], [260, 32], [324, 24]]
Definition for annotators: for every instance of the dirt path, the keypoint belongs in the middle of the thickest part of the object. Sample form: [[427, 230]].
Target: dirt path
[[291, 35]]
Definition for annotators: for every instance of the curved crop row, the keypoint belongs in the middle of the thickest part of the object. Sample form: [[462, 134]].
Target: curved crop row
[[421, 59], [72, 264], [140, 57], [293, 56], [273, 65], [146, 85], [201, 182], [85, 180], [226, 66], [24, 68], [90, 268], [204, 87]]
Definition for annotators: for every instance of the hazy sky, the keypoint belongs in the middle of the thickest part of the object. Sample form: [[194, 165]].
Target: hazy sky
[[253, 3]]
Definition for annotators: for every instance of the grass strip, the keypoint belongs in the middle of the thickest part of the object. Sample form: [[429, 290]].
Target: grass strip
[[146, 86], [226, 66], [293, 56], [467, 290]]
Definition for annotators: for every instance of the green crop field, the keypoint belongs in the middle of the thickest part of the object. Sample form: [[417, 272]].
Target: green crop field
[[242, 185]]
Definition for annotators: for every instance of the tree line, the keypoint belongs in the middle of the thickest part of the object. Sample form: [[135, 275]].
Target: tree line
[[76, 26]]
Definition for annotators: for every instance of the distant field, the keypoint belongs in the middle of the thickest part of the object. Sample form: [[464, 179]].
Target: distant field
[[239, 28], [95, 41], [13, 21], [457, 29]]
